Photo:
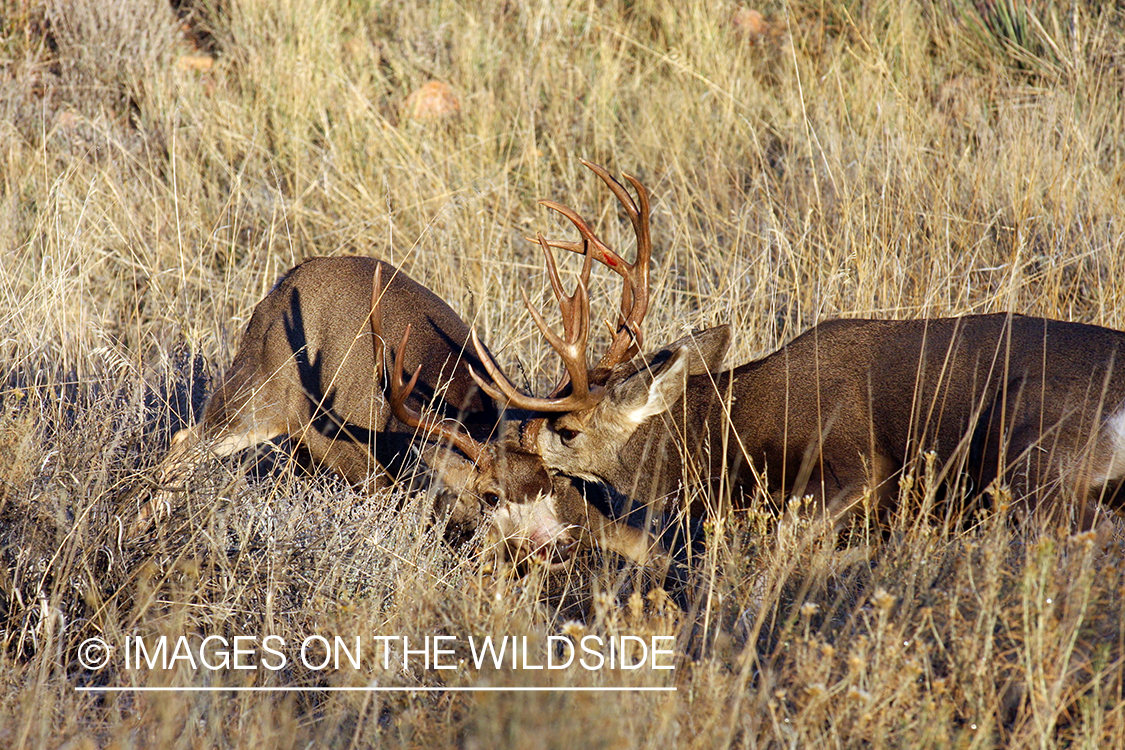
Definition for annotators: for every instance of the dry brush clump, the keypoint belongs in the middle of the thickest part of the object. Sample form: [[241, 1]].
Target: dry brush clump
[[848, 160]]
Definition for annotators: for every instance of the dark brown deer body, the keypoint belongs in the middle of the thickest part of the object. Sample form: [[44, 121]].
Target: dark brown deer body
[[306, 369], [838, 413], [1036, 403]]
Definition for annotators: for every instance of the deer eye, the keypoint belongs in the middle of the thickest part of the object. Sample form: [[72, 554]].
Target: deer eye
[[567, 434]]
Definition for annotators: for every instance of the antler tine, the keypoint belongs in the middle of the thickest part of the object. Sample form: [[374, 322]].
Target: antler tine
[[621, 193], [629, 338], [604, 253], [575, 311], [425, 423], [400, 392]]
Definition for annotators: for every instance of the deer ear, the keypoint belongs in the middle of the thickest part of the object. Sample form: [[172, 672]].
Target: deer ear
[[653, 388], [706, 349], [650, 388]]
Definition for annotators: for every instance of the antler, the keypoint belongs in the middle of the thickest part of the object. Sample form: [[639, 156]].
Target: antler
[[426, 425], [571, 347], [628, 337]]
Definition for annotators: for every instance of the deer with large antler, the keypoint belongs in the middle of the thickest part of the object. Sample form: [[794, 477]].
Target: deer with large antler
[[838, 413], [518, 524]]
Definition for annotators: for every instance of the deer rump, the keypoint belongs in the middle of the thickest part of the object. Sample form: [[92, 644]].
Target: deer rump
[[849, 404], [307, 367]]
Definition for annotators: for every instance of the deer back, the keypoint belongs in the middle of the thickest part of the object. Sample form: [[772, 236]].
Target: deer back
[[849, 403], [306, 367], [306, 362]]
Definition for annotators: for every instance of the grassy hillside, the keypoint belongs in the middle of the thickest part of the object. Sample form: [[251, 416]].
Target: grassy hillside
[[161, 166]]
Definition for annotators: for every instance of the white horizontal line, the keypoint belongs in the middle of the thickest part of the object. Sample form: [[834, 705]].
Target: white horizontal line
[[376, 689]]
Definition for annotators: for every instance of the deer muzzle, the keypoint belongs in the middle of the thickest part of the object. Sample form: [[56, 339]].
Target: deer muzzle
[[526, 534]]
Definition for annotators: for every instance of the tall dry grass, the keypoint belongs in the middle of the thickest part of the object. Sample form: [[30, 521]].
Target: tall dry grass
[[158, 172]]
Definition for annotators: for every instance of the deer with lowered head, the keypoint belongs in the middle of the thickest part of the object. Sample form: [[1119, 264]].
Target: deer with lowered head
[[535, 515], [839, 413], [306, 368]]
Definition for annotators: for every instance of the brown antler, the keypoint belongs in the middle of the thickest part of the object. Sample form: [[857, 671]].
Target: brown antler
[[627, 337], [571, 347], [426, 425]]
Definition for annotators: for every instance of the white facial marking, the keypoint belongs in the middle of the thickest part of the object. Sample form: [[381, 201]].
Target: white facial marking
[[534, 525]]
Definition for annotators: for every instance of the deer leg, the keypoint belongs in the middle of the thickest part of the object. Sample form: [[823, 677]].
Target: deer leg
[[218, 435], [1087, 474]]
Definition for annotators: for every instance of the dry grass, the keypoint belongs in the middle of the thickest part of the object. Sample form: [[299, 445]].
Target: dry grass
[[853, 159]]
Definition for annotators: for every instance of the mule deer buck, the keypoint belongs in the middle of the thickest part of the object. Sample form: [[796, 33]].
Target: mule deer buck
[[305, 368], [838, 413]]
